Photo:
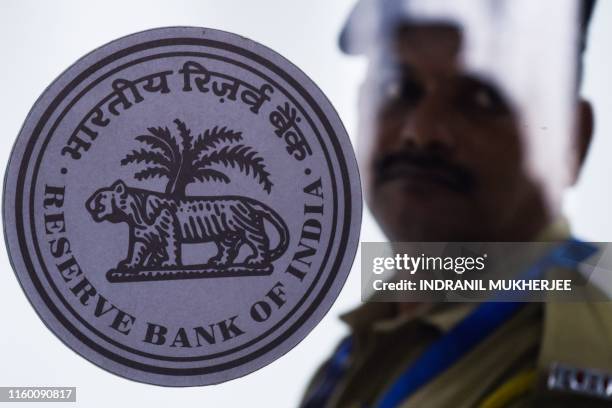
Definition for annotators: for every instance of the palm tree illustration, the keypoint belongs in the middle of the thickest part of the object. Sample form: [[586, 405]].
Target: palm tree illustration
[[187, 159]]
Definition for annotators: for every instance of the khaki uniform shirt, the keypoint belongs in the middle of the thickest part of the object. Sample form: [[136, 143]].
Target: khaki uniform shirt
[[547, 355]]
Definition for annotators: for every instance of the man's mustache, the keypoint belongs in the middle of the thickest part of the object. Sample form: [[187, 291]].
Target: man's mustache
[[427, 165]]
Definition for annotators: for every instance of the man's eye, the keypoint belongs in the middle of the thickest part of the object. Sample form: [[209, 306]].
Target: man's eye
[[402, 90], [481, 99]]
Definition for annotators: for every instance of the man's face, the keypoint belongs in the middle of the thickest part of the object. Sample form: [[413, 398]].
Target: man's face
[[441, 150]]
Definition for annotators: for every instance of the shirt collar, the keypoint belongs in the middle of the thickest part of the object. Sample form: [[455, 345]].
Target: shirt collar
[[557, 230]]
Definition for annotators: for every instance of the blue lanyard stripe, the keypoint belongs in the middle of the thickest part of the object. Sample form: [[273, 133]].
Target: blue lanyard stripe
[[334, 371], [448, 349]]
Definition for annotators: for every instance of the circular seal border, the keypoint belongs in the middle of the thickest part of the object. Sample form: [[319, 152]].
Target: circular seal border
[[306, 321]]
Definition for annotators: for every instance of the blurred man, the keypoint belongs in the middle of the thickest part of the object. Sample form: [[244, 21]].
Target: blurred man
[[444, 157]]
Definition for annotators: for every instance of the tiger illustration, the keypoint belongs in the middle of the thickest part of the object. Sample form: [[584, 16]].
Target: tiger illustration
[[160, 223]]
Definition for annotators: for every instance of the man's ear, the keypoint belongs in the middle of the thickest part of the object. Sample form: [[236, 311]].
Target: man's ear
[[583, 134]]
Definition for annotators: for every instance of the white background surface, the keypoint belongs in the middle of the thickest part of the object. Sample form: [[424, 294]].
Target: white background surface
[[39, 39]]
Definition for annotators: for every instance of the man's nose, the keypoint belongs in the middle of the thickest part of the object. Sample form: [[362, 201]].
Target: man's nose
[[427, 127]]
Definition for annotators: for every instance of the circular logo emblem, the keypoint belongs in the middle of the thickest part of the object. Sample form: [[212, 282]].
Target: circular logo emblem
[[182, 206]]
